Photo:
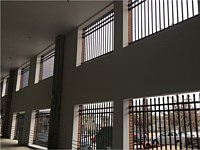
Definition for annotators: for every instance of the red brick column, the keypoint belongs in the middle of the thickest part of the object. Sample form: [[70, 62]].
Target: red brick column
[[131, 127], [83, 49], [130, 36]]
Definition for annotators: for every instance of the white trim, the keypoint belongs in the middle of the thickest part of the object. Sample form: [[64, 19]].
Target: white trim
[[125, 23], [37, 146], [37, 70], [32, 126], [75, 127], [81, 27], [19, 75], [126, 124], [13, 126]]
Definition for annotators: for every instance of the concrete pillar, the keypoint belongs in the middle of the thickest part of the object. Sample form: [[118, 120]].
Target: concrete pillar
[[5, 125], [57, 93], [118, 25], [118, 125], [33, 63]]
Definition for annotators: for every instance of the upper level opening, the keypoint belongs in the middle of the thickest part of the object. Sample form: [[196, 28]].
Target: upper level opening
[[96, 36], [146, 17], [23, 76], [45, 64]]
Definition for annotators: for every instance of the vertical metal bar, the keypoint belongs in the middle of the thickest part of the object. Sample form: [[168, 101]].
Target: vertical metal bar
[[168, 12], [192, 7], [104, 118], [159, 101], [163, 99], [184, 120], [156, 16], [113, 35], [90, 50], [187, 9], [196, 120], [136, 123], [169, 122], [135, 23], [188, 99], [172, 12], [148, 16], [174, 121], [155, 121], [145, 19], [182, 9], [132, 113], [152, 15], [100, 122], [86, 48], [177, 11], [140, 120], [112, 109], [110, 39], [179, 125], [147, 117], [151, 121], [141, 17], [164, 13], [138, 22], [160, 14]]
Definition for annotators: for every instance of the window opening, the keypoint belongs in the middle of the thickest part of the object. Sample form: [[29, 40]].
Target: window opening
[[98, 38], [47, 65], [95, 126], [24, 76], [150, 16], [166, 122], [41, 127]]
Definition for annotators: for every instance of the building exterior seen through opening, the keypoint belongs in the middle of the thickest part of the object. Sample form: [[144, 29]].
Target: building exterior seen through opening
[[101, 74], [166, 122], [95, 123]]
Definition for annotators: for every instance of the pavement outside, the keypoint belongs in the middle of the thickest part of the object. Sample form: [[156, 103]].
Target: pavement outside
[[8, 144]]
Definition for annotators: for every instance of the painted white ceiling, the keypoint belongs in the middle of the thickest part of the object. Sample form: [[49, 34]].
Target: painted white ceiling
[[29, 27]]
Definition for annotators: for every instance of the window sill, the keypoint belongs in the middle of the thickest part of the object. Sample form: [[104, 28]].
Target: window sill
[[37, 146]]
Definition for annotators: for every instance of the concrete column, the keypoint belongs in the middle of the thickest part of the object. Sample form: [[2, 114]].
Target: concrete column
[[118, 125], [32, 71], [5, 125], [56, 92], [118, 25]]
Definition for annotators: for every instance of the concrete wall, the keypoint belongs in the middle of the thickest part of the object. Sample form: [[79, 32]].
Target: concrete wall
[[32, 97], [166, 62], [163, 63]]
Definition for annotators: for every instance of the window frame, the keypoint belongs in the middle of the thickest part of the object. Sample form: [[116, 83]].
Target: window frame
[[39, 66], [90, 21], [20, 74]]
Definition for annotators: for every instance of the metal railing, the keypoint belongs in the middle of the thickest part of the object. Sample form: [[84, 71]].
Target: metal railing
[[168, 122], [41, 129], [95, 126], [150, 16], [98, 38]]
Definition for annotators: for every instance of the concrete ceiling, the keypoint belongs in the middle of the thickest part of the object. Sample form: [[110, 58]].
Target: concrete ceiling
[[29, 27]]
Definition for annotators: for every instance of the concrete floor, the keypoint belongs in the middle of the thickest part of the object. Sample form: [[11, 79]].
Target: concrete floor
[[7, 144]]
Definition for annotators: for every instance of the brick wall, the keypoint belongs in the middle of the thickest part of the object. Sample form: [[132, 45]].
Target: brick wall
[[130, 25], [131, 127]]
